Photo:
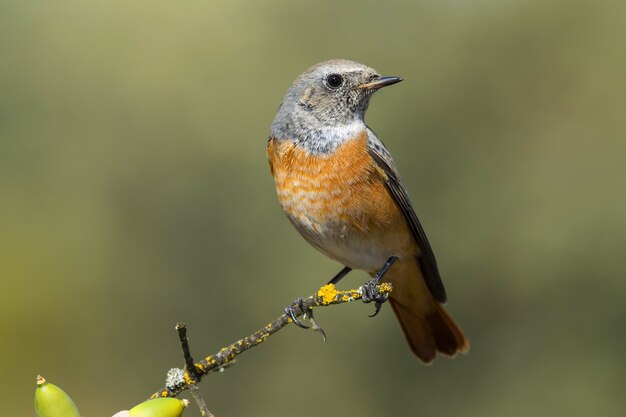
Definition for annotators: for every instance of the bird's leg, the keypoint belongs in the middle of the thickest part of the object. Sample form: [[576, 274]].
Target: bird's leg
[[370, 289], [291, 312], [340, 275]]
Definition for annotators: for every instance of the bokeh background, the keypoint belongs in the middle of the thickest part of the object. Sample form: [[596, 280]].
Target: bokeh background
[[135, 193]]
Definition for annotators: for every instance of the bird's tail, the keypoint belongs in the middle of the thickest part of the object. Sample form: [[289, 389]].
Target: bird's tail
[[435, 332], [426, 324]]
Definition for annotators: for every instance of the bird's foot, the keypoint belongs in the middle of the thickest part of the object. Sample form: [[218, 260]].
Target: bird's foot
[[293, 308], [370, 292], [296, 308]]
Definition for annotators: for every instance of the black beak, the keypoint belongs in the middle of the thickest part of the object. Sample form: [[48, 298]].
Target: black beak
[[380, 82]]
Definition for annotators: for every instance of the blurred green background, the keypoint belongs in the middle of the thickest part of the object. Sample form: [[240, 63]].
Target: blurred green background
[[135, 193]]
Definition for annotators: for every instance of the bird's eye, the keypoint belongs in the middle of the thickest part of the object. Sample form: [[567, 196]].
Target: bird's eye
[[334, 80]]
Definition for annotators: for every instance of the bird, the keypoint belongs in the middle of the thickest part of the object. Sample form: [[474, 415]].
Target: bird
[[340, 188]]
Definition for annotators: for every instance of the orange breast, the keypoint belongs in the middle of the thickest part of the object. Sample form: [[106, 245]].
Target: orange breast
[[339, 202]]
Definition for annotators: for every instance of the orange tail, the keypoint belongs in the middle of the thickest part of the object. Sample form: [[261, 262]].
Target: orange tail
[[435, 332], [426, 324]]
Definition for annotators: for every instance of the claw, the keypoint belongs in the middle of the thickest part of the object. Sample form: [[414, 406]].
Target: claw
[[290, 311], [316, 326], [371, 293], [377, 305], [369, 290]]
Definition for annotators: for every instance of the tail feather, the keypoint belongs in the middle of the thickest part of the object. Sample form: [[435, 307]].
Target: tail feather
[[449, 336], [435, 332], [426, 324]]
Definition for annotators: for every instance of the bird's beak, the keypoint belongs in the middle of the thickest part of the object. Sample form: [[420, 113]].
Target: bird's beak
[[380, 82]]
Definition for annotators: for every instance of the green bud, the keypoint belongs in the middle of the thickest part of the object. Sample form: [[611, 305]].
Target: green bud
[[159, 407], [52, 401]]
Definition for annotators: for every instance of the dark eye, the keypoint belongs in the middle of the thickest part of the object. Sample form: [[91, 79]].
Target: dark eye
[[334, 80]]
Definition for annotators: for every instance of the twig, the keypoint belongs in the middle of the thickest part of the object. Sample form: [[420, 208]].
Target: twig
[[181, 328], [190, 370], [325, 296], [195, 392]]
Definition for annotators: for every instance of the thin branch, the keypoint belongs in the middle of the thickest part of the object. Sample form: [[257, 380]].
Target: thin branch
[[190, 369], [181, 328], [195, 392], [178, 381]]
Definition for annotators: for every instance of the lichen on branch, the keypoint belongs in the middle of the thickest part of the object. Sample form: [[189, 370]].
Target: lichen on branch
[[181, 380]]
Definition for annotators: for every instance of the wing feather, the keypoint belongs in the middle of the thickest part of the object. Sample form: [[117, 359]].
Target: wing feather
[[426, 258]]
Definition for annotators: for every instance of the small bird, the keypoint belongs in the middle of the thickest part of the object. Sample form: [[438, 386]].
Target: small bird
[[340, 188]]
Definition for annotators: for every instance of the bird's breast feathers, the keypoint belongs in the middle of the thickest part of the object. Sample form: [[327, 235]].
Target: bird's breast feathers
[[339, 202]]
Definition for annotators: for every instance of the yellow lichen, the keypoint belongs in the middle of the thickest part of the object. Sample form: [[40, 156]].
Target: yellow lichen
[[385, 287], [187, 378], [327, 293], [163, 393]]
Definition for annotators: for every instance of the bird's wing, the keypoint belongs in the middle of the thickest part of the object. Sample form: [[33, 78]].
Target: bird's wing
[[426, 258]]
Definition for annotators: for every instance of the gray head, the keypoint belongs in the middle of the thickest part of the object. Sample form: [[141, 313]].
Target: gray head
[[326, 104]]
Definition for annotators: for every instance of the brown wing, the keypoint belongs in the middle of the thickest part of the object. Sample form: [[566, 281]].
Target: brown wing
[[426, 258]]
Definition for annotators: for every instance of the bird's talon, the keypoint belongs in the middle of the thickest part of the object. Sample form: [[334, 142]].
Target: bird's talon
[[322, 333], [378, 305], [316, 326], [370, 292], [290, 311]]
